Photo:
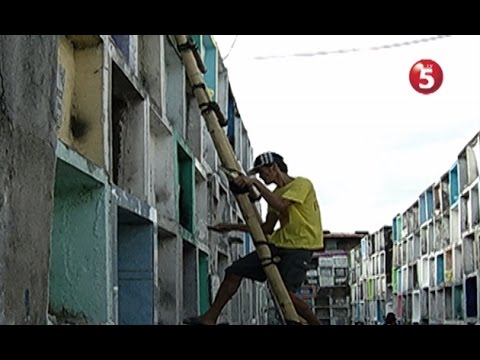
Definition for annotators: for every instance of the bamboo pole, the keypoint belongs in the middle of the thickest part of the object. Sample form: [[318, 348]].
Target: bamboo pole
[[229, 161]]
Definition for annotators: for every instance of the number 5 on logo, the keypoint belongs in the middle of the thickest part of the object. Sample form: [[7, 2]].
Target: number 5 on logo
[[426, 76]]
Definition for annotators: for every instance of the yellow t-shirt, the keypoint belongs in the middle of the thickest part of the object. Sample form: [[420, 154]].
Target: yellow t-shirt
[[301, 226]]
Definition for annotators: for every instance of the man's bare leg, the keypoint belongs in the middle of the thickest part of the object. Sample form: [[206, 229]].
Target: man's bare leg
[[303, 309], [228, 288]]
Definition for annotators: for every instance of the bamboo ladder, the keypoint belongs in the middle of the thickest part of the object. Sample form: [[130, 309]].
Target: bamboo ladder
[[214, 119]]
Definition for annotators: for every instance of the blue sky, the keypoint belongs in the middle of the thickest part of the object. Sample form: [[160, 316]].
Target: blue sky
[[351, 121]]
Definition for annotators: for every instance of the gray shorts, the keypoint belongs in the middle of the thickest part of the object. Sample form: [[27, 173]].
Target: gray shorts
[[293, 266]]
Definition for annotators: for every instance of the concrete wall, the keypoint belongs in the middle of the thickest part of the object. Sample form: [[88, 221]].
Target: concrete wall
[[195, 126], [201, 205], [88, 129], [175, 93], [126, 127], [65, 83], [170, 279], [152, 67], [129, 134], [79, 263], [28, 65], [162, 170], [80, 84]]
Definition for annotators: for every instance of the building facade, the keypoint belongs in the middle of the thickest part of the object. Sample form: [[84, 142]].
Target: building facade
[[126, 181], [427, 263], [327, 287]]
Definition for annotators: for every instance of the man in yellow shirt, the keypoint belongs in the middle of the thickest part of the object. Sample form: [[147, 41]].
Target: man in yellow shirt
[[294, 204]]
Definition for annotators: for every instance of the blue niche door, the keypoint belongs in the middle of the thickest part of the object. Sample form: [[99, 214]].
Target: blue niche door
[[135, 269]]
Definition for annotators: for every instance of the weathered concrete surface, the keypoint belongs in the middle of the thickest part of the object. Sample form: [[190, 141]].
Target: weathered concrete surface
[[28, 65]]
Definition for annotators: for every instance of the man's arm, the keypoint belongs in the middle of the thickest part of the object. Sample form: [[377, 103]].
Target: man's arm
[[275, 201], [269, 223]]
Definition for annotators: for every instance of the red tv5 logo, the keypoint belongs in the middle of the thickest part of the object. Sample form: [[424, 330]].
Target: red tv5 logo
[[426, 76]]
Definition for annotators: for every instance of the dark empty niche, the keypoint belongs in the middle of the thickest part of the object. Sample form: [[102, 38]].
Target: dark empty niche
[[127, 129]]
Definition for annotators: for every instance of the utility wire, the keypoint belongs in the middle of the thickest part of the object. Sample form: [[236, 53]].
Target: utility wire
[[345, 51], [231, 48]]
